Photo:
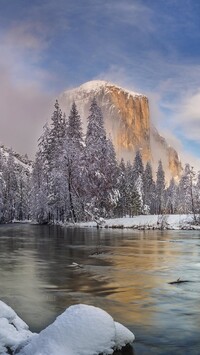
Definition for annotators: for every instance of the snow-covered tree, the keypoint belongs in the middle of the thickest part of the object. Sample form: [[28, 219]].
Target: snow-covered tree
[[97, 148], [44, 147], [111, 174], [120, 209], [40, 191], [138, 166], [22, 209], [41, 179], [2, 185], [55, 145], [160, 188], [11, 189], [57, 132], [186, 191], [138, 177], [196, 192], [171, 197], [149, 193], [46, 201], [133, 196], [72, 163]]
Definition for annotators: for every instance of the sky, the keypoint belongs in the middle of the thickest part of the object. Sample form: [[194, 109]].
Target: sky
[[150, 46]]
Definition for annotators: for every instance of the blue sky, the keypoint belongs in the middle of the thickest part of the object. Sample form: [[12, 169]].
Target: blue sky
[[151, 46]]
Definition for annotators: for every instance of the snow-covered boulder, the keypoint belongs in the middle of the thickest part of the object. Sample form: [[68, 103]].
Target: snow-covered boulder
[[123, 336], [80, 330], [13, 330]]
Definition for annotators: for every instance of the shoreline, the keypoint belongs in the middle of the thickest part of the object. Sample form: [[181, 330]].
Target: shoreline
[[144, 222], [141, 222]]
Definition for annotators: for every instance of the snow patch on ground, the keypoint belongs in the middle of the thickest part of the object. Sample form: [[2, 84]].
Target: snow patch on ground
[[172, 222]]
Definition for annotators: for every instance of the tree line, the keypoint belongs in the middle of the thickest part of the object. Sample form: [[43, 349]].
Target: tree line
[[76, 177]]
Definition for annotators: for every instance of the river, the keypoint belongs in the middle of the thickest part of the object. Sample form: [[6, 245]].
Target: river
[[125, 272]]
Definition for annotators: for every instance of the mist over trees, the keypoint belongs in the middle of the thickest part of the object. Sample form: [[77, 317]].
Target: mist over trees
[[76, 177]]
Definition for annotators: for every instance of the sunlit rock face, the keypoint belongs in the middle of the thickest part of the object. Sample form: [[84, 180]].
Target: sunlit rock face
[[127, 121]]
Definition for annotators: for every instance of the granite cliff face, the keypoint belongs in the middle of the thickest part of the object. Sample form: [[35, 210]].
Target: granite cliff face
[[127, 121]]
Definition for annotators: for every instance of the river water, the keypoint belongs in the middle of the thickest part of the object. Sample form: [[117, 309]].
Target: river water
[[125, 272]]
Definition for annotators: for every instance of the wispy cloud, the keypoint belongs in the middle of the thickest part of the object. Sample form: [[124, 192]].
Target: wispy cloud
[[132, 13], [24, 104], [29, 36], [187, 118], [24, 110]]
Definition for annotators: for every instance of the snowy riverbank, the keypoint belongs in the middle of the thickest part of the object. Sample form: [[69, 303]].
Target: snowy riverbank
[[145, 222], [142, 222]]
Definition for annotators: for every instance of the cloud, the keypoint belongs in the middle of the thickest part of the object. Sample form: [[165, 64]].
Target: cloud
[[131, 13], [22, 49], [24, 104], [117, 75], [23, 112], [188, 116], [29, 36], [184, 155]]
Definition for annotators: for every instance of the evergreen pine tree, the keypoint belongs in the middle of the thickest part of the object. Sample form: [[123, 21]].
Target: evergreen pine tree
[[160, 188], [39, 193], [138, 177], [171, 197], [121, 186], [10, 190], [186, 196], [138, 166], [55, 146], [73, 163], [149, 190], [96, 160], [133, 198], [2, 185]]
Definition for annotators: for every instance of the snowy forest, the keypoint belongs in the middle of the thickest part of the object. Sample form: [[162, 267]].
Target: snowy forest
[[76, 177]]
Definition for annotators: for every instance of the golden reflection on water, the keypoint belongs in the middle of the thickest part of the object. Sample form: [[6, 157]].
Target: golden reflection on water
[[124, 272], [138, 268]]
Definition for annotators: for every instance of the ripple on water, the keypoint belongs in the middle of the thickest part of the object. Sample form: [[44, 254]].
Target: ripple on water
[[125, 272]]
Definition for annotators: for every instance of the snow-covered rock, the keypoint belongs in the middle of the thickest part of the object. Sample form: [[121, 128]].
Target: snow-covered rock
[[80, 330], [123, 336], [95, 86], [13, 330]]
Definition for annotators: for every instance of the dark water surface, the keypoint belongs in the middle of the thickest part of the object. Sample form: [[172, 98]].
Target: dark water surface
[[124, 272]]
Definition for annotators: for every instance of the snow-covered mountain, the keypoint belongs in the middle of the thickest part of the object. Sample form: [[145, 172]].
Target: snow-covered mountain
[[21, 160], [127, 121]]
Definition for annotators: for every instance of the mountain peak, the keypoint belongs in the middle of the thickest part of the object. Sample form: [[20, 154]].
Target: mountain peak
[[94, 86]]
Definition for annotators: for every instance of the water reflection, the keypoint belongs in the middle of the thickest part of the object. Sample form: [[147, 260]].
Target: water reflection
[[124, 272]]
